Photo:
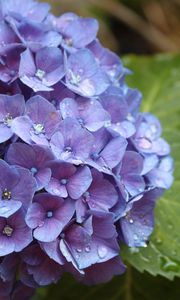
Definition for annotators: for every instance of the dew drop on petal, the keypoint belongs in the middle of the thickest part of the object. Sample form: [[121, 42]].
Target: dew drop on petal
[[135, 236], [79, 250], [87, 248], [168, 265], [102, 251], [134, 250]]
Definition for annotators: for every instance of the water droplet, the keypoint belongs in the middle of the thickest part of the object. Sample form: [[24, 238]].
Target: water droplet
[[159, 241], [168, 265], [134, 250], [145, 258], [79, 250], [107, 123], [135, 236], [130, 117], [88, 248], [102, 251], [143, 244]]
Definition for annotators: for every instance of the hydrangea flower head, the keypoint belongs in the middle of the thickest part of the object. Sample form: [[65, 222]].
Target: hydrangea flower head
[[81, 168]]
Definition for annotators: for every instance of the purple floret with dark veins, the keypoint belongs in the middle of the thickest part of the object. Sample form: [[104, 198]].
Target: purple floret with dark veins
[[81, 168]]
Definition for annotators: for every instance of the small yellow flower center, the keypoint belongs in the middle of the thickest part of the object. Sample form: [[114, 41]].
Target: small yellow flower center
[[8, 231], [38, 128], [6, 195], [40, 74], [8, 120]]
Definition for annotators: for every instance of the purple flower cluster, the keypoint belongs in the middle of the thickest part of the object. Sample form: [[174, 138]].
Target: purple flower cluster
[[81, 168]]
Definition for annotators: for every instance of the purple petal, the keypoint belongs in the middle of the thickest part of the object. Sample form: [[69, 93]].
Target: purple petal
[[79, 182], [21, 126], [102, 194], [8, 208], [35, 215], [138, 223], [82, 31], [26, 69], [132, 163], [160, 178], [83, 76], [53, 251], [134, 184], [103, 272], [114, 152]]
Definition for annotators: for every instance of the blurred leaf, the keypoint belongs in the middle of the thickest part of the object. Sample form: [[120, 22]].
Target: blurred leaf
[[131, 286], [158, 78]]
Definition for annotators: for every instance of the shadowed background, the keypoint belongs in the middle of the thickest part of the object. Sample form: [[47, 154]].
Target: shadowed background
[[131, 26]]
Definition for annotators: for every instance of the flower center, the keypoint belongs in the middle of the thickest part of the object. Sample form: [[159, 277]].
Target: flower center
[[40, 74], [33, 170], [49, 214], [74, 79], [8, 120], [63, 181], [8, 231], [6, 195], [68, 42], [38, 128]]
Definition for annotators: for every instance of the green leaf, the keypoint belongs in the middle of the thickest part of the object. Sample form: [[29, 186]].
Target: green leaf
[[158, 78], [131, 286]]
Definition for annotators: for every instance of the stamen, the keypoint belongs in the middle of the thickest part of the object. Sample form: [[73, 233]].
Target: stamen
[[6, 195], [63, 181], [33, 170], [38, 128], [49, 214], [8, 231], [74, 79], [8, 120], [40, 74]]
